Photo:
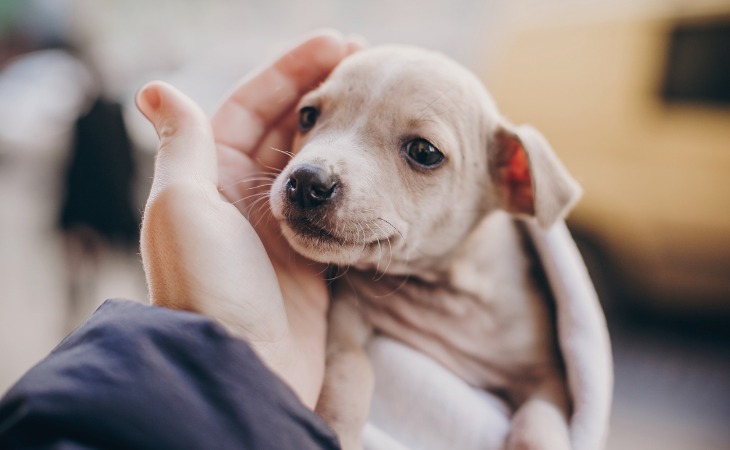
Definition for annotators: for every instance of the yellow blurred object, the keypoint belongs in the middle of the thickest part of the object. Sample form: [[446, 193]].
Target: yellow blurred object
[[656, 175]]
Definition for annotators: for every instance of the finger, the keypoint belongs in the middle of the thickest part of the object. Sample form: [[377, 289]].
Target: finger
[[276, 147], [186, 151], [355, 43], [259, 102]]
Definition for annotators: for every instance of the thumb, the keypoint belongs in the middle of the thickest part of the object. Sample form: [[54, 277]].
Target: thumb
[[186, 153]]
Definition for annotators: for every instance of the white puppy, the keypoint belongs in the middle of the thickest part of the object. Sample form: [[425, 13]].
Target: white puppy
[[407, 178]]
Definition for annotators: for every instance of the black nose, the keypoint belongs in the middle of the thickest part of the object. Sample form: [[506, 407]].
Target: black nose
[[309, 186]]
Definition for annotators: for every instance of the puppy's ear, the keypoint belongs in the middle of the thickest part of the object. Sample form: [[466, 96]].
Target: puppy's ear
[[529, 176]]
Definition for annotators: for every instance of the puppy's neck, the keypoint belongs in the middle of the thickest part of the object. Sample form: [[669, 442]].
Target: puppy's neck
[[495, 248]]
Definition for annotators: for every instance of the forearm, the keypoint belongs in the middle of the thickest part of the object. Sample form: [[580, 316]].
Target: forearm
[[136, 376]]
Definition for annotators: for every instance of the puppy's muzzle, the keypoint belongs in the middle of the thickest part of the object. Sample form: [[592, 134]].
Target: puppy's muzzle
[[310, 186]]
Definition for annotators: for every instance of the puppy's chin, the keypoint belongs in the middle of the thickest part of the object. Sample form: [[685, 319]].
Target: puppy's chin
[[322, 248]]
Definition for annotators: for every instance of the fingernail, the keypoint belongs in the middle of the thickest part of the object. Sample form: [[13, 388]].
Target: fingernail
[[152, 97], [356, 42]]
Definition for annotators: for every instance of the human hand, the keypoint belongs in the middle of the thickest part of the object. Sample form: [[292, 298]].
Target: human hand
[[207, 242]]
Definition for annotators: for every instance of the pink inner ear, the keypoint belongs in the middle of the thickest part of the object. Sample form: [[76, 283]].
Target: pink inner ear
[[517, 179]]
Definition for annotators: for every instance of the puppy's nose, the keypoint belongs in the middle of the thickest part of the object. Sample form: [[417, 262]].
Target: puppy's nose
[[310, 186]]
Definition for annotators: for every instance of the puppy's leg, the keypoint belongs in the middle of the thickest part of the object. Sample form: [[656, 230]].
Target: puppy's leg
[[541, 423], [348, 383]]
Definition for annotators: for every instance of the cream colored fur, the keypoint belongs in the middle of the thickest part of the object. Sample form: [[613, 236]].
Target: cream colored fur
[[432, 257]]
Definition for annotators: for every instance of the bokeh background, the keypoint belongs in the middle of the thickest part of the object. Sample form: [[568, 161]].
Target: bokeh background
[[633, 95]]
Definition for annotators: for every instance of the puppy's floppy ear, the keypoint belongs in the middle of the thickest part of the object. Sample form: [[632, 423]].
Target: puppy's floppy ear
[[529, 177]]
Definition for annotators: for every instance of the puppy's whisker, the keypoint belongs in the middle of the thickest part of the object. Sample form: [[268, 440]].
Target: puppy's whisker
[[258, 177], [256, 203], [264, 187], [261, 211], [380, 248], [390, 248], [249, 208], [426, 108], [403, 238], [361, 232], [339, 274], [284, 152], [260, 186], [405, 246], [276, 170], [397, 288], [358, 235], [257, 194], [390, 251], [325, 270]]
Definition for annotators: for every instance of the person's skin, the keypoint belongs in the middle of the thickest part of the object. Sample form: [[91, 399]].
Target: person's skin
[[199, 251]]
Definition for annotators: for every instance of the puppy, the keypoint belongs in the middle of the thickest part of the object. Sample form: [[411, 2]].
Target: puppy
[[407, 178]]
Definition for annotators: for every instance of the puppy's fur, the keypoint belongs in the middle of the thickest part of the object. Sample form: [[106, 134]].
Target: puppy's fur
[[434, 254]]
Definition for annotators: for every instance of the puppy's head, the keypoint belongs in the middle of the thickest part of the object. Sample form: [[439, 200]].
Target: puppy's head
[[399, 154]]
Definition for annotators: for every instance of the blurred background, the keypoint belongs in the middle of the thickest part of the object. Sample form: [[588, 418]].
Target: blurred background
[[633, 95]]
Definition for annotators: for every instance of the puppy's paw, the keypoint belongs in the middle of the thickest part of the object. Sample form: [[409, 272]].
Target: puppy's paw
[[538, 425], [351, 442]]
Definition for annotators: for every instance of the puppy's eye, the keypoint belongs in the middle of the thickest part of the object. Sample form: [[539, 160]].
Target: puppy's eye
[[307, 118], [423, 153]]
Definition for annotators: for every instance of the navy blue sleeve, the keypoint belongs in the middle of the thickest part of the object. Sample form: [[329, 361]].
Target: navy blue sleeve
[[142, 377]]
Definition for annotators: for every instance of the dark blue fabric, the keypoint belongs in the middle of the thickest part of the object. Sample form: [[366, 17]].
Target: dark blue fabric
[[142, 377]]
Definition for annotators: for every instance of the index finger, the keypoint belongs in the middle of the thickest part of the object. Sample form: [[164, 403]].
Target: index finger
[[258, 103]]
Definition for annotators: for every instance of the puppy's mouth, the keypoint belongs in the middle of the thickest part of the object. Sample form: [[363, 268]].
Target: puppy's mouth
[[343, 243], [314, 231], [307, 228]]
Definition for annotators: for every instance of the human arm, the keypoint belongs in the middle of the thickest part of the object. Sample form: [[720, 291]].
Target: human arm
[[146, 377], [202, 255]]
